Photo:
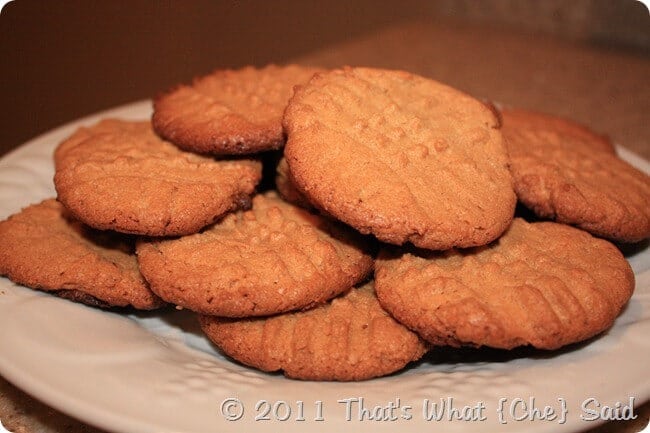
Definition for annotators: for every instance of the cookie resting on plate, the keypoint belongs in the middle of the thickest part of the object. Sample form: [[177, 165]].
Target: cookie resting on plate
[[349, 338], [272, 258], [119, 175], [563, 172], [229, 111], [44, 248], [400, 156], [541, 284]]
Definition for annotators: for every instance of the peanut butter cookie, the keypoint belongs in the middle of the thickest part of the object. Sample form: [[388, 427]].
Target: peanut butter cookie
[[402, 157], [119, 175], [273, 258], [43, 248], [541, 284], [229, 111], [560, 129], [349, 338], [563, 172]]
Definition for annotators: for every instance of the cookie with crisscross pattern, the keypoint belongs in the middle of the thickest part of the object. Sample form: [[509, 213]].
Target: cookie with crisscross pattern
[[563, 171], [43, 247], [229, 111], [272, 258], [348, 338], [119, 175], [541, 284], [400, 156]]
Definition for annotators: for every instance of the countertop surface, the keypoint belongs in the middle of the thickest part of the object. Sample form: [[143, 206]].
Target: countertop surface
[[606, 89]]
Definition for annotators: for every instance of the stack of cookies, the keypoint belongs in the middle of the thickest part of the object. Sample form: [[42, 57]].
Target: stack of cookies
[[390, 227]]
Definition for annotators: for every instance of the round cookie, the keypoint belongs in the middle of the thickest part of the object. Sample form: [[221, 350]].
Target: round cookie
[[402, 157], [541, 284], [287, 188], [563, 172], [43, 248], [558, 129], [272, 258], [229, 111], [119, 175], [349, 338]]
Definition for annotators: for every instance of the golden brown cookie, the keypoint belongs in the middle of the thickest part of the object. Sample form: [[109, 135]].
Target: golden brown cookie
[[229, 111], [402, 157], [273, 258], [287, 188], [541, 284], [349, 338], [564, 172], [43, 248], [119, 175], [560, 129]]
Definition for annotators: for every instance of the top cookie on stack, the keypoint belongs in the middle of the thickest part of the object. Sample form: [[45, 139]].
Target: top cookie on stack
[[402, 157]]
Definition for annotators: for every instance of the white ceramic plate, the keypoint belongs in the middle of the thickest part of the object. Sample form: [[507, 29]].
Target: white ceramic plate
[[154, 372]]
